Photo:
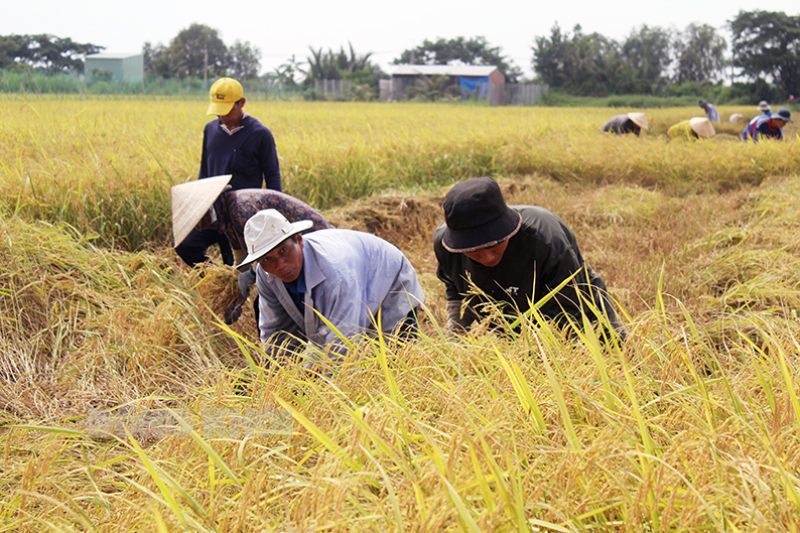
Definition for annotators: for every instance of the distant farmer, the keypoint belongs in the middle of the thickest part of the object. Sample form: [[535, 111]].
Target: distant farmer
[[358, 282], [515, 255], [234, 143], [711, 111], [629, 123], [210, 205], [767, 126], [694, 128], [764, 108]]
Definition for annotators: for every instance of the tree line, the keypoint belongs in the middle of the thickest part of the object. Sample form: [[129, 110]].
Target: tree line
[[764, 52], [765, 46], [644, 63], [44, 51], [199, 51]]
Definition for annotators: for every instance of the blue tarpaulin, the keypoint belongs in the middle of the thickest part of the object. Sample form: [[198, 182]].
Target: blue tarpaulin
[[477, 86]]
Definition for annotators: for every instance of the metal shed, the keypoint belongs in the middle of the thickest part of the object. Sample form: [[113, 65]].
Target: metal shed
[[483, 81], [123, 67]]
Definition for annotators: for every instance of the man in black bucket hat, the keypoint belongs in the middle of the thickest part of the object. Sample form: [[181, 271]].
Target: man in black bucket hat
[[514, 255]]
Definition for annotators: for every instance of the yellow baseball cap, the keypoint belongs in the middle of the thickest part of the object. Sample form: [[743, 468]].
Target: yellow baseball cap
[[224, 93]]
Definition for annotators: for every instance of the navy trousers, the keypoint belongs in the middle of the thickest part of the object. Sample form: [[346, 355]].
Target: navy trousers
[[193, 248]]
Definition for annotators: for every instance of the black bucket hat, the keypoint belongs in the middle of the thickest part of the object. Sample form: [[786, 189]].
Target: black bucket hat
[[477, 215]]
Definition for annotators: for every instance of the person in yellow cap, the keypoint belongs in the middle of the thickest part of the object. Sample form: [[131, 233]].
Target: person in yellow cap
[[237, 144]]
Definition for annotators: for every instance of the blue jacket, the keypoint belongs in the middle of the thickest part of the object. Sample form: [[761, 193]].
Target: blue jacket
[[712, 113], [351, 279]]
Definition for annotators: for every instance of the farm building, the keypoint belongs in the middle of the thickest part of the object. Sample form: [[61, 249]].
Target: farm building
[[123, 67], [480, 81]]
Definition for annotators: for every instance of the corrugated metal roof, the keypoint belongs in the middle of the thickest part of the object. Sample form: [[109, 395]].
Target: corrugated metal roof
[[443, 70], [113, 56]]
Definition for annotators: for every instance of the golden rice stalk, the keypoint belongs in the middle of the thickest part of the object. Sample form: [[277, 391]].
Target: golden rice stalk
[[218, 287]]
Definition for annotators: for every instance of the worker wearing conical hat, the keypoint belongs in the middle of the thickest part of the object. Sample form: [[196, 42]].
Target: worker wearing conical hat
[[627, 123], [694, 128], [209, 205]]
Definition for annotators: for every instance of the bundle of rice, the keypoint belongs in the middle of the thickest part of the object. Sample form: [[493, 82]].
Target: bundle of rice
[[218, 288]]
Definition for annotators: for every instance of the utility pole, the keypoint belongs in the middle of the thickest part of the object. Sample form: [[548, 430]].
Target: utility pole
[[205, 68]]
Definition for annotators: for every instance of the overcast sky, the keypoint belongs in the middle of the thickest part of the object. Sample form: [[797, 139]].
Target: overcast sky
[[386, 28]]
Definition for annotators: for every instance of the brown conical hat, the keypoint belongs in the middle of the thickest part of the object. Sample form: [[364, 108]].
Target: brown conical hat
[[191, 200]]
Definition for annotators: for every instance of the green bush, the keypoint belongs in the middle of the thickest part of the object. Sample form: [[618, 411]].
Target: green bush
[[559, 99]]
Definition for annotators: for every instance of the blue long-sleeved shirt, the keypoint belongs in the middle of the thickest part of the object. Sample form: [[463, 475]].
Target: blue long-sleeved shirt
[[761, 126], [712, 113], [249, 155], [351, 277]]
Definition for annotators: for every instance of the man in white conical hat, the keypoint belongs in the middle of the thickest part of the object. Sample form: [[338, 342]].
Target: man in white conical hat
[[627, 123], [209, 205]]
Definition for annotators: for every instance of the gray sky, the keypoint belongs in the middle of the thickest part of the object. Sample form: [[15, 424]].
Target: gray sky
[[281, 29]]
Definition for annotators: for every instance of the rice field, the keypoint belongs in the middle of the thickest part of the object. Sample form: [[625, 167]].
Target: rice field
[[128, 406], [105, 166]]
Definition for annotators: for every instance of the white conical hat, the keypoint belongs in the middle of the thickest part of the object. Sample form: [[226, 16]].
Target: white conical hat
[[191, 200], [640, 119], [702, 127]]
